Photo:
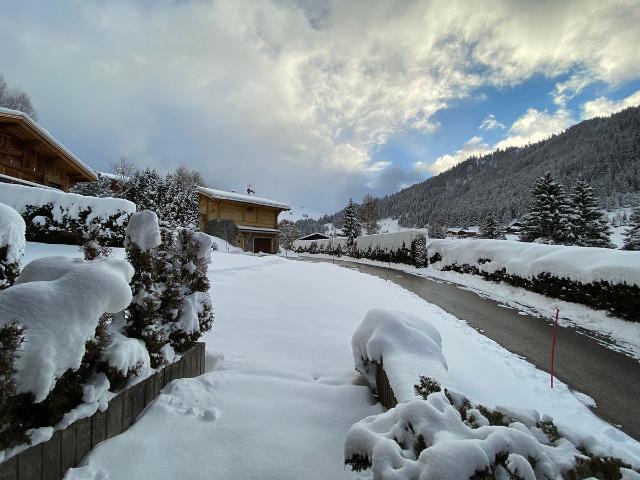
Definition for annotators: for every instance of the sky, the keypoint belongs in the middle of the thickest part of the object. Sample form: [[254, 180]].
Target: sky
[[310, 101]]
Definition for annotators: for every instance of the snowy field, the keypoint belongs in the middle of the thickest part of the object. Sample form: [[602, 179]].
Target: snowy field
[[281, 392]]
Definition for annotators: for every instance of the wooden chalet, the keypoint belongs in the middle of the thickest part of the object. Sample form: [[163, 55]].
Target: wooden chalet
[[315, 236], [29, 155], [246, 221]]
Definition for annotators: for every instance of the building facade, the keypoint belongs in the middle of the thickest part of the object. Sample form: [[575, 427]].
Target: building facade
[[246, 221], [30, 155]]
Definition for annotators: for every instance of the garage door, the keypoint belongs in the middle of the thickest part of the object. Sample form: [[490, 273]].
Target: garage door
[[262, 245]]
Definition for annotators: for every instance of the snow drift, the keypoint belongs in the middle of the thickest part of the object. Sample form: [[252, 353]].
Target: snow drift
[[60, 309], [12, 230]]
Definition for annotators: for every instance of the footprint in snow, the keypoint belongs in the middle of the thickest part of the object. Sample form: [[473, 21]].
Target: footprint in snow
[[210, 415]]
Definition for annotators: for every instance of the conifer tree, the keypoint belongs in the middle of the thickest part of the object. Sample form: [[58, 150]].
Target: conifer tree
[[351, 226], [369, 215], [490, 228], [100, 188], [632, 235], [589, 226], [550, 215], [289, 233], [436, 231]]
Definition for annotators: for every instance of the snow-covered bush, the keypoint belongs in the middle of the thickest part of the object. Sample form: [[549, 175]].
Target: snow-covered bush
[[94, 243], [171, 306], [436, 432], [398, 247], [52, 216], [12, 243], [599, 277], [632, 235], [59, 305], [11, 426]]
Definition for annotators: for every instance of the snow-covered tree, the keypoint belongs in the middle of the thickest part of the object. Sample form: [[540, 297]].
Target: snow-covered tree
[[632, 235], [351, 226], [550, 214], [369, 215], [144, 189], [490, 228], [100, 188], [589, 225], [436, 231], [142, 238], [289, 233], [419, 251]]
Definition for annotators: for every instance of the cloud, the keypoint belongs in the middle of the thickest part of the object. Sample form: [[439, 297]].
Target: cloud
[[473, 147], [294, 97], [535, 125], [603, 106], [490, 123]]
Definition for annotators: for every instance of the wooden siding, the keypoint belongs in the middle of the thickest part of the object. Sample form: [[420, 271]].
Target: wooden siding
[[241, 213], [29, 159]]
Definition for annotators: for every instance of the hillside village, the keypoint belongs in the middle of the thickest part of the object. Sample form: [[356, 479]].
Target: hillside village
[[476, 317]]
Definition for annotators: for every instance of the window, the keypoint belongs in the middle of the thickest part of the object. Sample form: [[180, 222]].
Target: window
[[249, 209]]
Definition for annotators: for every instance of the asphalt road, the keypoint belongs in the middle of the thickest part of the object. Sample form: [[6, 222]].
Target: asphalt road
[[610, 378]]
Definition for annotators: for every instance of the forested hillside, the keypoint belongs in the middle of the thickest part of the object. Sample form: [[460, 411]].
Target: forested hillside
[[605, 151]]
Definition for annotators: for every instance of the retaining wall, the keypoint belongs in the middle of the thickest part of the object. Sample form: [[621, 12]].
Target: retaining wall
[[66, 448]]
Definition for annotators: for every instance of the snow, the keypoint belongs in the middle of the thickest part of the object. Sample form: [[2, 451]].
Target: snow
[[527, 260], [407, 345], [65, 204], [388, 241], [298, 212], [124, 353], [222, 245], [143, 230], [191, 306], [12, 231], [239, 197], [60, 311], [280, 392], [322, 243]]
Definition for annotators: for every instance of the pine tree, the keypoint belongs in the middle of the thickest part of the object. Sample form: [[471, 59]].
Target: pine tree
[[289, 233], [590, 227], [351, 226], [436, 231], [550, 215], [144, 189], [490, 228], [94, 243], [632, 235], [100, 188]]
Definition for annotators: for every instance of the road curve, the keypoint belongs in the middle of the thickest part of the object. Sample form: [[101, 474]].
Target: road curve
[[610, 378]]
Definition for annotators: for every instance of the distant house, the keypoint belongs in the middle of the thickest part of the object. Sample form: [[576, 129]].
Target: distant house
[[246, 221], [29, 155], [116, 182], [315, 236], [513, 228], [462, 232]]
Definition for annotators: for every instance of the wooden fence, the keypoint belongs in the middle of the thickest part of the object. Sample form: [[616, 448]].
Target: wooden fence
[[66, 448], [383, 389]]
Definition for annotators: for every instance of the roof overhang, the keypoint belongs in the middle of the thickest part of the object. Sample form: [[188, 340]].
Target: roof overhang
[[242, 199], [250, 229], [40, 134]]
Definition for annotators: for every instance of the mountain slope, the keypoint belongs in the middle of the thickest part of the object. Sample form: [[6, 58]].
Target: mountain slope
[[605, 151]]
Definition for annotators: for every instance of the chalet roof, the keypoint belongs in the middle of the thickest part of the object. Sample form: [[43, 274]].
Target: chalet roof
[[315, 236], [44, 135], [239, 197]]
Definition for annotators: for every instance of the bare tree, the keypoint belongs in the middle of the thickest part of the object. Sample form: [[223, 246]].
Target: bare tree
[[16, 99], [185, 177], [369, 214], [124, 168]]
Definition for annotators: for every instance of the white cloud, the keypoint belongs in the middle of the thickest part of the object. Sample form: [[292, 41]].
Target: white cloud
[[294, 97], [490, 123], [535, 125], [603, 106], [473, 147]]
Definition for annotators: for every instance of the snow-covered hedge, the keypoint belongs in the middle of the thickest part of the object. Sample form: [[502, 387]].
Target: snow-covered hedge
[[52, 216], [12, 243], [599, 277], [437, 433], [399, 247]]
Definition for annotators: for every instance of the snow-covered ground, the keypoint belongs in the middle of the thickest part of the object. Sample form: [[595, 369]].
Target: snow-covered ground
[[281, 392], [615, 333]]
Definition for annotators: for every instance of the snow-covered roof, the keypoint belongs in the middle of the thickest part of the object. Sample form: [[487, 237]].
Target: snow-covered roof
[[239, 197], [111, 176], [7, 112], [315, 236], [9, 179], [247, 228]]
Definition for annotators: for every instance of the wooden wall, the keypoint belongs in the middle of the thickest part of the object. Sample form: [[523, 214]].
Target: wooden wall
[[240, 213]]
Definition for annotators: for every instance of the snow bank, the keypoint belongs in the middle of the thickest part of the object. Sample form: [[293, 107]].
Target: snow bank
[[527, 260], [323, 244], [143, 230], [388, 241], [407, 345], [65, 204], [12, 231], [60, 311], [125, 354]]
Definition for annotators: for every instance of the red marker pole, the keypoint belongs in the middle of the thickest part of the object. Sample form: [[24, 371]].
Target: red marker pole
[[553, 342]]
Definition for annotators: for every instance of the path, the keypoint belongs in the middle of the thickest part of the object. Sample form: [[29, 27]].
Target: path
[[610, 378]]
